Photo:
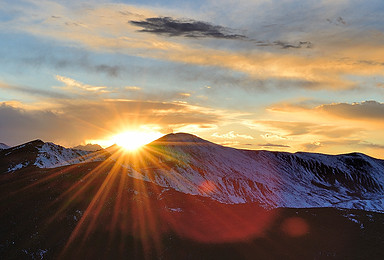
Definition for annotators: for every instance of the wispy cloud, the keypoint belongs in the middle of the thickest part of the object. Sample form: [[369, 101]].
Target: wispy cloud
[[372, 145], [72, 85], [132, 88], [311, 146], [365, 110], [290, 129], [231, 135], [268, 145], [300, 44], [81, 61], [31, 91], [360, 110]]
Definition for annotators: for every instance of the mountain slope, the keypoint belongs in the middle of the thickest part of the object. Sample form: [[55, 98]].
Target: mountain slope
[[195, 166], [94, 211], [273, 179], [44, 155]]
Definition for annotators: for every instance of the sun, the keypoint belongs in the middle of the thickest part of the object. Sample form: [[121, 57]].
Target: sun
[[133, 140]]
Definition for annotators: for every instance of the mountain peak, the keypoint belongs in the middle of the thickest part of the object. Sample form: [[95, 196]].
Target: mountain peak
[[33, 143], [180, 138], [36, 141]]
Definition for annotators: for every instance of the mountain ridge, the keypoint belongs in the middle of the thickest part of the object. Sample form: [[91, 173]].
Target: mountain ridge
[[196, 199], [195, 166], [37, 153]]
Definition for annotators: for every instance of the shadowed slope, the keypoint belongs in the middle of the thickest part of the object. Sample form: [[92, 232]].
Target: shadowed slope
[[69, 213]]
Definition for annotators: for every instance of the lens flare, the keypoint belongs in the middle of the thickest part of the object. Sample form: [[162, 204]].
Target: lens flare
[[128, 140], [132, 140]]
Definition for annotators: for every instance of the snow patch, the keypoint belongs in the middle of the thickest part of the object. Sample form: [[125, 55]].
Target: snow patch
[[51, 156], [17, 167], [175, 209]]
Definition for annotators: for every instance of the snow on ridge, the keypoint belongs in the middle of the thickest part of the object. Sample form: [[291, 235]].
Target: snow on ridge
[[51, 155], [3, 146], [273, 179]]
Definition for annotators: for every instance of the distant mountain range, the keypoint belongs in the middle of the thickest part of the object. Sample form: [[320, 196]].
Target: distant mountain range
[[88, 147], [193, 192]]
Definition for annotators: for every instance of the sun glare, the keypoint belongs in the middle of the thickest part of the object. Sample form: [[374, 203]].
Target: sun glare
[[132, 140]]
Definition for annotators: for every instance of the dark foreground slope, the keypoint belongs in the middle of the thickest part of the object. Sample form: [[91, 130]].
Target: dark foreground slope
[[96, 211]]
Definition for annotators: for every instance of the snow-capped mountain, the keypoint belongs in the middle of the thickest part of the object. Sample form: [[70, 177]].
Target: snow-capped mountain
[[44, 155], [273, 179], [187, 198], [195, 166], [3, 146]]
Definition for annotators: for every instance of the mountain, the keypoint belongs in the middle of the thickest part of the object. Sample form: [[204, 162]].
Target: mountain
[[88, 147], [195, 166], [182, 197], [3, 146], [273, 179], [44, 155]]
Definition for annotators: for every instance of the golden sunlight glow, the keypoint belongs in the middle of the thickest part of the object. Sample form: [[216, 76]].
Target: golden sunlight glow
[[132, 140]]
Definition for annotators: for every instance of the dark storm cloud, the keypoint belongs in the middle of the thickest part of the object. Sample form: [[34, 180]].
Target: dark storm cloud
[[186, 28]]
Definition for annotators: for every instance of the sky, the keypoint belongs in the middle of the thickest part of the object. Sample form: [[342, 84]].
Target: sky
[[282, 75]]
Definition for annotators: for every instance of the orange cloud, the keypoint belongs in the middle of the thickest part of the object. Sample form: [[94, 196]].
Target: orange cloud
[[73, 122], [335, 127], [75, 86], [366, 110]]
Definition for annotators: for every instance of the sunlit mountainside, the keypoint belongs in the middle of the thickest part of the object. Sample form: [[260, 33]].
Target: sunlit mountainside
[[184, 197], [192, 165]]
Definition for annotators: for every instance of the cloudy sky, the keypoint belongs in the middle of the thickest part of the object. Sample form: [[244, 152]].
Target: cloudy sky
[[258, 74]]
